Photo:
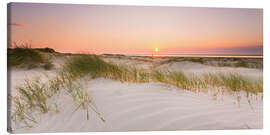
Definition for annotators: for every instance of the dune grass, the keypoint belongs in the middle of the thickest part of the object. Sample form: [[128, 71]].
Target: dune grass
[[24, 56], [91, 64], [232, 82], [83, 99], [71, 83], [33, 95], [96, 67], [22, 114], [241, 64], [218, 83], [218, 62]]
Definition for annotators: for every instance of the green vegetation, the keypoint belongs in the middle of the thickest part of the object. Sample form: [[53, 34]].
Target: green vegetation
[[179, 79], [48, 66], [93, 65], [25, 56], [231, 82], [241, 64], [46, 50], [33, 96], [198, 60], [96, 67], [219, 62]]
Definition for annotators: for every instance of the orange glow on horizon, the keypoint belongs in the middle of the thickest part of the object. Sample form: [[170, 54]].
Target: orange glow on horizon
[[134, 29]]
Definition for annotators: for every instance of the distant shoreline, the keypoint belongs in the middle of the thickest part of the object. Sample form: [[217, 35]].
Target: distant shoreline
[[50, 50], [189, 55], [200, 55]]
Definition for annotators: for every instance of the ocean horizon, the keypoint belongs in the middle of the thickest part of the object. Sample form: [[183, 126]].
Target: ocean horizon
[[200, 55]]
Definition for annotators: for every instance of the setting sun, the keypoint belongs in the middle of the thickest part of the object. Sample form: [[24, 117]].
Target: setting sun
[[66, 62], [156, 49]]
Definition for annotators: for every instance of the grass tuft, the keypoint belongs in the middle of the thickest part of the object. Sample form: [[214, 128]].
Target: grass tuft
[[24, 56], [94, 66], [33, 95]]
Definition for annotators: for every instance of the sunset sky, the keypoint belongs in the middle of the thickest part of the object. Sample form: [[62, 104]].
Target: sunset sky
[[137, 29]]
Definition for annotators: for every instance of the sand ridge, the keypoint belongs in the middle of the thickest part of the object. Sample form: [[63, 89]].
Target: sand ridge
[[148, 106]]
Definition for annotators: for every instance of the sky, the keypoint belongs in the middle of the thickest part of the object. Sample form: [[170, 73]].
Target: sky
[[101, 29]]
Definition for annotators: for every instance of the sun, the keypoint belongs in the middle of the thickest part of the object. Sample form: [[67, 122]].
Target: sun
[[156, 49]]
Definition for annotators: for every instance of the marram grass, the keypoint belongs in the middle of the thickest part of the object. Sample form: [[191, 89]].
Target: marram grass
[[24, 56], [33, 95]]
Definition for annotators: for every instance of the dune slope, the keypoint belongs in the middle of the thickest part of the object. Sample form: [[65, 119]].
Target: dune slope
[[150, 106]]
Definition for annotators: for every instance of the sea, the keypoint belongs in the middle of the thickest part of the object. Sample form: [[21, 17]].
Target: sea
[[199, 55]]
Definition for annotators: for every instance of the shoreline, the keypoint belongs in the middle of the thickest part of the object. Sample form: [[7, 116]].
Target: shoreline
[[194, 56]]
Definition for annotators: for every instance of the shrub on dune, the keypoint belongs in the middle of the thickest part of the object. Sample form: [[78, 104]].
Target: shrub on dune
[[94, 66], [89, 64], [25, 56]]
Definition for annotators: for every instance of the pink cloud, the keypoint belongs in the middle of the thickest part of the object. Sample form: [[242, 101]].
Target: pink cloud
[[17, 24]]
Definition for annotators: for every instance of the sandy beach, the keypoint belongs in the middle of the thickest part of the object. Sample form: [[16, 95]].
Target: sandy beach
[[117, 68], [150, 106]]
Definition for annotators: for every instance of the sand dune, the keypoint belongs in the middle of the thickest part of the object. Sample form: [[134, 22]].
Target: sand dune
[[196, 68], [148, 106]]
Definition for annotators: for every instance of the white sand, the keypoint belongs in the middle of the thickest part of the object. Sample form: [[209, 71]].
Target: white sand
[[149, 106], [197, 69]]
